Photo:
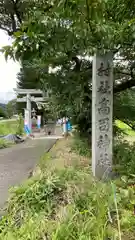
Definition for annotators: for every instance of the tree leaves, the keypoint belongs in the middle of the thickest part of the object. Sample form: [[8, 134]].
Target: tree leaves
[[60, 35]]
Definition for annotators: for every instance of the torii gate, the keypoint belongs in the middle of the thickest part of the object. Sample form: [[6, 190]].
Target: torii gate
[[28, 99]]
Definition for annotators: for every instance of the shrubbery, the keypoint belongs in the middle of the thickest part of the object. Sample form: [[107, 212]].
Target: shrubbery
[[20, 125], [4, 143], [124, 157], [70, 204]]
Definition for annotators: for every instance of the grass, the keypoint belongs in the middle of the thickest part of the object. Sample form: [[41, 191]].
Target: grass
[[62, 201], [5, 144], [125, 128], [5, 129], [10, 127]]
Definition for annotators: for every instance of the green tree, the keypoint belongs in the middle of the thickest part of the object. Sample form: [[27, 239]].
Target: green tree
[[63, 36], [11, 108], [124, 107], [28, 78], [13, 12], [2, 112]]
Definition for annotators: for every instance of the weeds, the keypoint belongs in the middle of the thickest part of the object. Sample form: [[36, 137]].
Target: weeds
[[124, 157], [66, 206], [81, 146], [4, 143], [124, 128], [69, 204], [37, 194], [8, 127], [20, 125], [12, 127]]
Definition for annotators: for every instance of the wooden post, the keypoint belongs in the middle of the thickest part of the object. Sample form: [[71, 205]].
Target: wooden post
[[102, 108]]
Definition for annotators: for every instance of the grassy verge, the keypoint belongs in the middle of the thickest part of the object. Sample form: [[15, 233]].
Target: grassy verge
[[7, 128], [62, 201], [125, 128], [10, 127], [5, 144]]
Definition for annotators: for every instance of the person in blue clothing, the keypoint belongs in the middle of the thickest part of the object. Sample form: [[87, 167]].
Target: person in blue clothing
[[69, 126]]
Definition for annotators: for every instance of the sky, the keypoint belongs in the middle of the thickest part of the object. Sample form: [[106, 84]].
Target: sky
[[8, 72]]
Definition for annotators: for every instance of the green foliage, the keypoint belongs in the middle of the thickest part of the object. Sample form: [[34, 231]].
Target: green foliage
[[62, 36], [2, 112], [38, 194], [124, 157], [8, 127], [20, 125], [81, 146], [124, 107], [77, 25], [68, 204], [11, 108], [28, 77], [124, 128], [5, 144]]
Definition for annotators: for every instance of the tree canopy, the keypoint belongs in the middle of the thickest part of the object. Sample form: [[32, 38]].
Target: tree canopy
[[2, 112], [11, 108], [66, 29], [56, 40]]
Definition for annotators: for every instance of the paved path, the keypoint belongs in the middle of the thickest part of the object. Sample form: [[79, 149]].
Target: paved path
[[17, 162]]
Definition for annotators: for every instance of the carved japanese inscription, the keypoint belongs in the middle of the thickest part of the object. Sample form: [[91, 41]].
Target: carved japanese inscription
[[104, 160], [103, 141], [104, 87], [104, 106], [103, 124], [104, 70]]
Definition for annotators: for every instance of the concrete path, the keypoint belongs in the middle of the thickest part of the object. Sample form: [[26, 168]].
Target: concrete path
[[17, 162]]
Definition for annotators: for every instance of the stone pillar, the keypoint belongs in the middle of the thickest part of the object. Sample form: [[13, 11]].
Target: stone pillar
[[28, 106], [102, 107]]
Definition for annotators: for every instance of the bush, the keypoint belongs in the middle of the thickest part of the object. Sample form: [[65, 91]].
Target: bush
[[8, 127], [2, 112], [5, 144], [124, 157], [12, 127], [70, 204], [81, 146], [20, 125], [42, 193]]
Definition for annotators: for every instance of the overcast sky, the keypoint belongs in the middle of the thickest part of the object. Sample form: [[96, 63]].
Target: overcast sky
[[8, 71]]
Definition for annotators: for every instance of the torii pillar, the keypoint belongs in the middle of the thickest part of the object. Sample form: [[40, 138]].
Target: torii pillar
[[28, 107]]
